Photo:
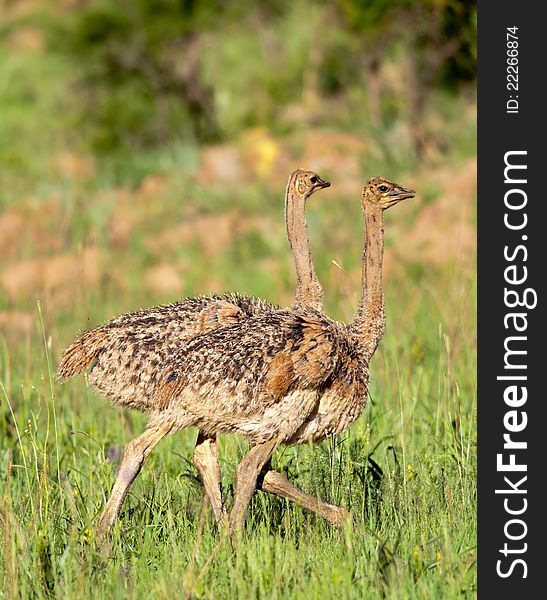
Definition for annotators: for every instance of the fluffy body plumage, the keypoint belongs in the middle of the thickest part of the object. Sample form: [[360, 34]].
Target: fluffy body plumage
[[290, 376], [127, 354]]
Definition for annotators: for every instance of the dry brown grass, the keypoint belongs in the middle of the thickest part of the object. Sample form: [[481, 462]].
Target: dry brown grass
[[55, 277]]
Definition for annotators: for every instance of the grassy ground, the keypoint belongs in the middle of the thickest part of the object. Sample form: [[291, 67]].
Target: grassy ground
[[83, 240]]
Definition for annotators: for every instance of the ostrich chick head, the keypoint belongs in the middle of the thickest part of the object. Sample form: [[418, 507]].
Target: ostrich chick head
[[307, 182], [384, 194]]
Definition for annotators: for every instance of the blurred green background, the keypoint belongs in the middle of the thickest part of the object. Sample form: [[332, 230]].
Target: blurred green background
[[144, 153]]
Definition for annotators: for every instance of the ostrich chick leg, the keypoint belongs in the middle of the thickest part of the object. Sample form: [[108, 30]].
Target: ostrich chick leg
[[248, 471], [134, 456], [276, 483], [206, 462]]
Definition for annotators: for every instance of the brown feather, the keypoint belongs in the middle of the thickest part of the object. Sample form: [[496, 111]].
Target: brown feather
[[280, 377]]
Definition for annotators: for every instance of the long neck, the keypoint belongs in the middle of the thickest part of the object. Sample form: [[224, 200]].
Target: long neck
[[309, 293], [369, 324]]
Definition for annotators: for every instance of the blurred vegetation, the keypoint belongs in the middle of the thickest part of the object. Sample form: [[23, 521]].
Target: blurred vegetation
[[187, 63], [143, 74]]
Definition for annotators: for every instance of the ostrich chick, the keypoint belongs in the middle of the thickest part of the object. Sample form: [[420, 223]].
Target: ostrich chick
[[127, 353]]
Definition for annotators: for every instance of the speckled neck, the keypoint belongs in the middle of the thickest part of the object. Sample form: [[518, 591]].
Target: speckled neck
[[369, 324], [308, 289]]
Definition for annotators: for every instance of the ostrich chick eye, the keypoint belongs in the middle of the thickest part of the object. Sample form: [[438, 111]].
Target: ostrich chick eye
[[313, 179], [383, 188]]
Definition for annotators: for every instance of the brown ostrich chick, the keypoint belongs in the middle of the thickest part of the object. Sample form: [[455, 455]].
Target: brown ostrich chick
[[127, 353]]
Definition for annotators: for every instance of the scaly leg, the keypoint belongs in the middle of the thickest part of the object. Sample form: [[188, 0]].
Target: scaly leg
[[206, 462], [276, 483], [134, 456], [247, 475]]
